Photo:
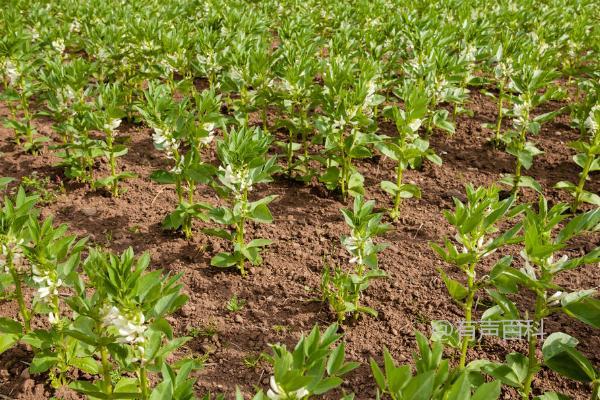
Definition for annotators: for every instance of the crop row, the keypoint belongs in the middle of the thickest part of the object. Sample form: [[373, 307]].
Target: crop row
[[314, 82]]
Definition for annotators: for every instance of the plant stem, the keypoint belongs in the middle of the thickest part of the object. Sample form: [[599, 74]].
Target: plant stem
[[106, 371], [519, 166], [581, 183], [532, 367], [143, 382], [111, 161], [303, 118], [264, 118], [395, 214], [240, 232], [343, 169], [290, 153], [596, 390], [19, 293], [468, 308], [499, 120]]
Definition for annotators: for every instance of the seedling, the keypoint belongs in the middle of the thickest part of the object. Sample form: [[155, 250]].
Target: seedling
[[234, 304]]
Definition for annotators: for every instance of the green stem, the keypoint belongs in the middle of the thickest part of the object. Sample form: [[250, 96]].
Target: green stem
[[240, 232], [290, 153], [106, 371], [519, 166], [581, 183], [596, 390], [19, 293], [532, 367], [303, 118], [499, 120], [468, 308], [264, 118], [187, 222], [143, 382], [395, 214], [112, 163]]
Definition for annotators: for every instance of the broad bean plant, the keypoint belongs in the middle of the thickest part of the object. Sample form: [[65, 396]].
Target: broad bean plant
[[341, 288], [244, 164]]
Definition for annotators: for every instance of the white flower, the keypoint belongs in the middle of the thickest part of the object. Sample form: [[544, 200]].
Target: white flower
[[130, 328], [591, 122], [277, 393], [371, 89], [11, 71], [339, 124], [163, 140], [19, 262], [112, 124], [102, 54], [48, 283], [238, 181], [75, 26], [354, 244], [554, 300], [34, 34], [415, 124], [59, 45], [65, 95], [53, 318], [208, 127]]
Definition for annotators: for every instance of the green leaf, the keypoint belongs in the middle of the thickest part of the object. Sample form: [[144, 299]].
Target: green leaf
[[420, 387], [10, 326], [4, 181], [561, 356], [86, 364], [223, 260], [222, 233], [356, 184], [552, 396], [455, 288], [327, 384], [163, 177], [488, 391], [377, 374], [586, 309], [408, 191], [389, 187], [42, 362], [259, 243], [8, 340], [261, 213], [460, 389]]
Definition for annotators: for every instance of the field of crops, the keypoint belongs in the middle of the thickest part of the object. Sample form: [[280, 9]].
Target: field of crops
[[236, 199]]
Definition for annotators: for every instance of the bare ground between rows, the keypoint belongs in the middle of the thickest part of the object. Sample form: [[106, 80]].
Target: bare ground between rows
[[280, 294]]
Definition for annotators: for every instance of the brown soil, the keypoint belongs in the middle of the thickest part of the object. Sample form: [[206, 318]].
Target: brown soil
[[306, 231]]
